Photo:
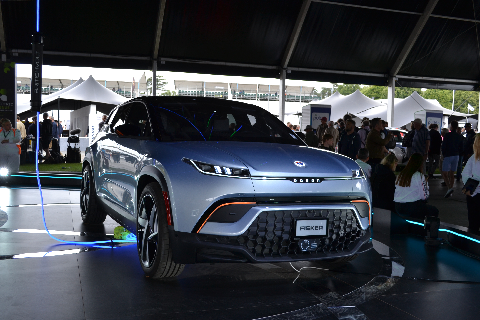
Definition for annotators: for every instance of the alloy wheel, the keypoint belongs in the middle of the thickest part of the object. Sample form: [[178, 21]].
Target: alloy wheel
[[147, 231]]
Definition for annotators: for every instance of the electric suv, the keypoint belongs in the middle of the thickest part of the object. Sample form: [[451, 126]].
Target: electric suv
[[210, 180]]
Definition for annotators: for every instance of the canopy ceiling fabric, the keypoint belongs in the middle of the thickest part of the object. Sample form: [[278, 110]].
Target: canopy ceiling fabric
[[343, 41]]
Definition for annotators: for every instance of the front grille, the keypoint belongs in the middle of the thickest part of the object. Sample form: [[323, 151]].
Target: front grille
[[272, 234]]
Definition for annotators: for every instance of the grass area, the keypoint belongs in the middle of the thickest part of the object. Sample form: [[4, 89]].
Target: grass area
[[59, 167]]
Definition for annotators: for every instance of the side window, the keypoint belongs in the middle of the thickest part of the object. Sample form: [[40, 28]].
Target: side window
[[119, 118], [138, 117]]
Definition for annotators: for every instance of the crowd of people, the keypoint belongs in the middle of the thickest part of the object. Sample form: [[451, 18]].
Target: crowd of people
[[407, 193]]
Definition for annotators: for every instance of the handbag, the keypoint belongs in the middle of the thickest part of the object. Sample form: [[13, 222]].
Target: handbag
[[471, 185]]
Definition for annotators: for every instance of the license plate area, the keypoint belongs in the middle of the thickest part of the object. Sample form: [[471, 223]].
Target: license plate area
[[311, 228]]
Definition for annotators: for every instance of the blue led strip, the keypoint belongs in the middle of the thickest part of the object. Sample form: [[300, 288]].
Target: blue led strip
[[43, 211], [38, 19], [51, 177], [448, 231]]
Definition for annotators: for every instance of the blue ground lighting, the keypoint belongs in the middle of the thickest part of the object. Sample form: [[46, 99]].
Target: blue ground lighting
[[448, 231]]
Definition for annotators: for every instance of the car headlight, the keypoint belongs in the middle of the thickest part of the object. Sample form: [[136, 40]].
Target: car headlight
[[216, 170]]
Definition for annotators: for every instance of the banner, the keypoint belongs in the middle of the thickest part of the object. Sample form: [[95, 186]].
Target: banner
[[8, 92], [317, 113]]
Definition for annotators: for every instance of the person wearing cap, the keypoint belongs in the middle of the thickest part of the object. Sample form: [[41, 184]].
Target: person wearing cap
[[9, 149], [421, 141], [468, 142], [310, 138], [321, 128]]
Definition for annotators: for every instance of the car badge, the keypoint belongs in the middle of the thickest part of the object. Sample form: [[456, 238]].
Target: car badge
[[299, 164]]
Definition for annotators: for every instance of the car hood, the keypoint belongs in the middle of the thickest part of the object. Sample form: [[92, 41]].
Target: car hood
[[272, 159]]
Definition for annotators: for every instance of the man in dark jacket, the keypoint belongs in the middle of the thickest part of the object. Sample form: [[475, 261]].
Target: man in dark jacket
[[434, 150], [32, 130], [460, 157], [349, 143], [376, 144], [46, 134], [451, 149], [310, 138]]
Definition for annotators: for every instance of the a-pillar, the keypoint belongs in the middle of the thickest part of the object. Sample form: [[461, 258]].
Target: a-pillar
[[281, 97], [391, 101]]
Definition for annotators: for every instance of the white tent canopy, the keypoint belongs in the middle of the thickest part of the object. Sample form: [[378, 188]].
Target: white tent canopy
[[353, 103], [23, 100], [90, 90], [404, 111]]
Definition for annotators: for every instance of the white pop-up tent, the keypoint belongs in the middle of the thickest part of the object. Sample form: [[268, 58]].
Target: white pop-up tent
[[23, 100], [405, 110], [85, 93], [353, 104]]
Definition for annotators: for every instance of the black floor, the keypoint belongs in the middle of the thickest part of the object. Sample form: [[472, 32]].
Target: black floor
[[43, 279]]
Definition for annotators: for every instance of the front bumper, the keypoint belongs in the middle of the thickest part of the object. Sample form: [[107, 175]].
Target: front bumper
[[270, 238]]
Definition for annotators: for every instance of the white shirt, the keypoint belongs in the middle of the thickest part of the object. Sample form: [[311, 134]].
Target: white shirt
[[472, 170], [418, 190], [13, 136], [365, 167]]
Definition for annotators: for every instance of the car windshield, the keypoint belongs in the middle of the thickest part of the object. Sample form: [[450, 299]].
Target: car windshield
[[208, 121]]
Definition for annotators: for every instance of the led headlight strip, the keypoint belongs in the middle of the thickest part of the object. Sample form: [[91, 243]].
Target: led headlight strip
[[216, 170]]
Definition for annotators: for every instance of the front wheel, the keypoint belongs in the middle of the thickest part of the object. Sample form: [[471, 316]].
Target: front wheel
[[153, 243], [91, 213]]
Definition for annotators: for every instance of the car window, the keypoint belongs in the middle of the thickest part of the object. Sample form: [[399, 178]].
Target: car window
[[208, 121], [138, 116], [119, 118]]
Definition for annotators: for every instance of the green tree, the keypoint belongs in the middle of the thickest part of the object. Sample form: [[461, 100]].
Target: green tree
[[463, 99], [375, 92], [345, 89], [169, 93], [161, 83], [444, 97], [323, 93]]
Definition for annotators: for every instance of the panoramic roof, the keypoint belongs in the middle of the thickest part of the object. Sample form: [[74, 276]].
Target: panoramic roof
[[424, 43]]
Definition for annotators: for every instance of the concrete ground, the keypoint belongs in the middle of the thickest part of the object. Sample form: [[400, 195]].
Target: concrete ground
[[452, 210]]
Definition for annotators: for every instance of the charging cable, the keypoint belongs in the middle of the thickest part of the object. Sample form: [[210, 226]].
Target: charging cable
[[43, 211]]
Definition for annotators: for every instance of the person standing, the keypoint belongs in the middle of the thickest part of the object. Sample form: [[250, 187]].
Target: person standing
[[328, 143], [21, 128], [468, 142], [321, 128], [460, 157], [411, 190], [9, 149], [331, 130], [363, 132], [421, 141], [54, 128], [362, 159], [451, 149], [60, 129], [32, 130], [46, 134], [375, 144], [349, 143], [472, 171], [434, 151], [310, 138]]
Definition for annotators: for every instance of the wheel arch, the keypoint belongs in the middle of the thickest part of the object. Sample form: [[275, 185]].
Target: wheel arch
[[147, 175]]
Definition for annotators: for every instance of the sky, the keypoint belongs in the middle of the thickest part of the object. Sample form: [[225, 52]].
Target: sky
[[74, 73]]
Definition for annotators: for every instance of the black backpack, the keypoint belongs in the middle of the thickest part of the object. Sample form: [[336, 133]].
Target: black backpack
[[408, 139]]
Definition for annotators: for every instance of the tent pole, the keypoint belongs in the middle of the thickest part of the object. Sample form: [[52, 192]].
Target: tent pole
[[58, 114], [154, 79], [283, 76], [391, 101]]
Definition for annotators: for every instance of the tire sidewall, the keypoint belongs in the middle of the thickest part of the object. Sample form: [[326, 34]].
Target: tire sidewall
[[154, 190]]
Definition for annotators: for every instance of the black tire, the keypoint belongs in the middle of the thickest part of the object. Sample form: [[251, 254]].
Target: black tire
[[153, 242], [91, 212]]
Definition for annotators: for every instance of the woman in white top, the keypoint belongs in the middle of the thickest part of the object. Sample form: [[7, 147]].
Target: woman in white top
[[472, 171], [411, 191]]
